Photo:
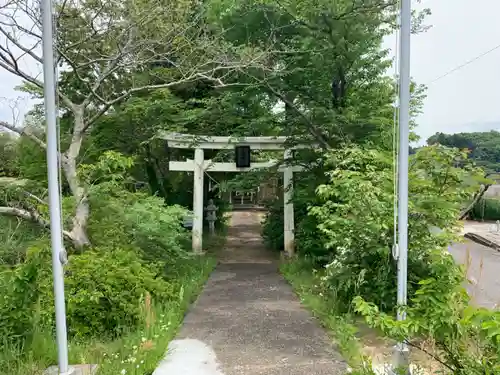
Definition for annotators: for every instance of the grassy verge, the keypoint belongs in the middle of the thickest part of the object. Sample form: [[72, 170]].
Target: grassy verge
[[342, 328], [135, 353]]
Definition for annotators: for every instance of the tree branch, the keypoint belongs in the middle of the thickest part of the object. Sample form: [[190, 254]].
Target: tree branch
[[13, 67], [32, 196], [28, 51], [208, 75], [31, 216], [24, 132], [315, 132]]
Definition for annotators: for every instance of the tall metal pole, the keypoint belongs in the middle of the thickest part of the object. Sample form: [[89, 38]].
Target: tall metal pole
[[401, 359], [49, 88]]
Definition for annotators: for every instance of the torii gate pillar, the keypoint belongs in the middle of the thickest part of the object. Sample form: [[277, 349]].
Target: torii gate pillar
[[197, 232], [289, 222]]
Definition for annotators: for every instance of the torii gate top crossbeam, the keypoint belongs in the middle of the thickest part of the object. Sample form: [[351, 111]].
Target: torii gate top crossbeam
[[177, 140]]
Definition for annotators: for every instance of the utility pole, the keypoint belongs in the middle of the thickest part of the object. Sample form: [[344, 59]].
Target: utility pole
[[401, 360], [58, 253]]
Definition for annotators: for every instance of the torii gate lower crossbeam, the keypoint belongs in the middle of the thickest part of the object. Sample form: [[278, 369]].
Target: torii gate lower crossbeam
[[199, 165]]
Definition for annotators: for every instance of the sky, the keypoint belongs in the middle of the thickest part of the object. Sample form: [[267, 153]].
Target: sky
[[468, 99], [464, 101]]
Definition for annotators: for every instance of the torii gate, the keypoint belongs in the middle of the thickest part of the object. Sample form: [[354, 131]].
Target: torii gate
[[199, 166]]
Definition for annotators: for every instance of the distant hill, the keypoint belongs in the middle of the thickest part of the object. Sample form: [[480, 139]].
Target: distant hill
[[484, 147], [470, 127]]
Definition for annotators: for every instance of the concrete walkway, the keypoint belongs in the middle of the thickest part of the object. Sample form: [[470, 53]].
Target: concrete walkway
[[248, 321], [483, 233]]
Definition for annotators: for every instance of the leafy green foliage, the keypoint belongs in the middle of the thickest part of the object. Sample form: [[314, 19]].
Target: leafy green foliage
[[16, 235], [272, 230], [135, 237], [116, 281], [356, 217], [111, 167], [23, 287], [463, 338], [310, 242], [483, 147], [32, 161], [138, 219], [316, 45], [158, 230], [146, 342], [486, 209], [8, 162]]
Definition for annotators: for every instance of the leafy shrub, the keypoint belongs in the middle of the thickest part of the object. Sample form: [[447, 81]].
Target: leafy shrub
[[22, 289], [356, 216], [223, 208], [15, 236], [272, 228], [156, 228], [134, 237], [104, 287], [115, 280], [486, 209], [440, 321], [310, 242], [120, 217]]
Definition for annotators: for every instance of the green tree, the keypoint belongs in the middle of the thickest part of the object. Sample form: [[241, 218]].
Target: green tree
[[357, 211], [327, 68], [108, 50], [8, 162], [483, 147]]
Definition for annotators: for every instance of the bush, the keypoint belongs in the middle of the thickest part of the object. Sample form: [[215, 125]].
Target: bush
[[104, 288], [15, 235], [134, 237], [486, 209], [116, 280], [310, 242], [156, 228], [440, 321], [23, 288], [356, 217], [120, 217], [273, 225]]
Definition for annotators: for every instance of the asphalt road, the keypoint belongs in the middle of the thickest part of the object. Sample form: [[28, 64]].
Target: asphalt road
[[483, 272]]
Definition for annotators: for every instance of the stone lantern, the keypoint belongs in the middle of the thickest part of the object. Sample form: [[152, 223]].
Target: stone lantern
[[211, 217]]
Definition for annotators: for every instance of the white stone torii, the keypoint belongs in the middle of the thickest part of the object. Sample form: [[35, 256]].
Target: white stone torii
[[199, 165]]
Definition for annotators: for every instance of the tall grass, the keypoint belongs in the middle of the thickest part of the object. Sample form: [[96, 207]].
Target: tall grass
[[137, 352]]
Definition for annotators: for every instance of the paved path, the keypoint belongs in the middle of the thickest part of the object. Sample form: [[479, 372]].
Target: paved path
[[483, 265], [248, 320], [484, 233], [482, 262]]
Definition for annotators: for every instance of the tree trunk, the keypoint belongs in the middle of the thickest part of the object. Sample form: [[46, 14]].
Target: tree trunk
[[69, 164], [79, 231]]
